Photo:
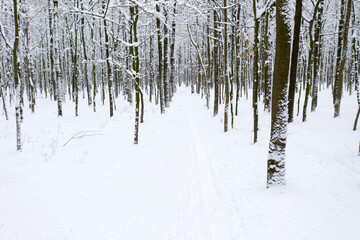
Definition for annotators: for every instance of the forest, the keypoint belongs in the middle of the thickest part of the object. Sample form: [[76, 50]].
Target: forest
[[223, 116]]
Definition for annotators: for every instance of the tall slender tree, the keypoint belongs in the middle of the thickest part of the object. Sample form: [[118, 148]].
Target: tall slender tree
[[215, 61], [226, 71], [340, 71], [17, 79], [294, 58], [57, 77], [256, 70], [279, 114], [108, 59], [160, 62]]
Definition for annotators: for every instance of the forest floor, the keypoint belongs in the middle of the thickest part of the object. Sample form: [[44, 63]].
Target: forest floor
[[81, 178]]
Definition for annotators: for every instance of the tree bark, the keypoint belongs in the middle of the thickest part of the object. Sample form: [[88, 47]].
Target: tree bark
[[17, 80], [226, 72], [58, 78], [255, 71], [172, 53], [340, 73], [215, 63], [294, 59], [108, 62], [279, 115], [88, 87], [160, 65]]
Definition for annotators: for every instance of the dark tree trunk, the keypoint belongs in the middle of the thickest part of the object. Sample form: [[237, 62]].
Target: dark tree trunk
[[51, 52], [160, 65], [255, 71], [16, 77], [340, 72], [294, 59], [216, 67], [227, 90], [108, 61], [317, 56], [88, 87], [58, 77], [165, 59], [339, 47], [279, 114], [172, 53]]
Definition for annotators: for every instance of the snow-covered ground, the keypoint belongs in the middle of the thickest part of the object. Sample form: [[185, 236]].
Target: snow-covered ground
[[83, 179]]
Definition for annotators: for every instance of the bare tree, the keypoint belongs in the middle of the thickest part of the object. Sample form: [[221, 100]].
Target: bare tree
[[279, 115]]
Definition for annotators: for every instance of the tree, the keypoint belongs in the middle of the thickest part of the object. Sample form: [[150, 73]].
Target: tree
[[279, 118], [255, 70], [160, 64], [3, 99], [294, 59], [311, 60], [88, 87], [17, 79], [51, 51], [340, 70], [134, 13], [267, 62], [317, 55], [215, 61], [165, 59], [172, 53], [108, 60], [226, 72], [57, 77]]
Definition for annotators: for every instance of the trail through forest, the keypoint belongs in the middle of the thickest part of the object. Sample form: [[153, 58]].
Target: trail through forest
[[82, 178]]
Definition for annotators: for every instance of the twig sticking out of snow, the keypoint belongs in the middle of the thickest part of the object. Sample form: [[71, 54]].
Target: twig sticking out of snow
[[82, 134]]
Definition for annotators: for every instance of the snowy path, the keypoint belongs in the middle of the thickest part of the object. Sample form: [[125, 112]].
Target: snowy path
[[163, 188], [200, 211], [185, 180], [211, 209]]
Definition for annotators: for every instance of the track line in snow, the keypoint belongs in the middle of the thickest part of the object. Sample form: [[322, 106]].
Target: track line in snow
[[211, 206]]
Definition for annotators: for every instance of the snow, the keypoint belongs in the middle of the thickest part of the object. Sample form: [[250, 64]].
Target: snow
[[185, 180]]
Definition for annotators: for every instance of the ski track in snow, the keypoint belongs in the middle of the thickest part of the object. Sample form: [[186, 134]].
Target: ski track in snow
[[212, 209]]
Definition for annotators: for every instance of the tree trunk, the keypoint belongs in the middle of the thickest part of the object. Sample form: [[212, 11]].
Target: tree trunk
[[339, 47], [58, 78], [160, 67], [226, 72], [134, 13], [267, 65], [93, 71], [255, 71], [294, 59], [165, 59], [3, 99], [88, 87], [317, 56], [237, 50], [51, 52], [172, 53], [151, 82], [215, 63], [310, 73], [279, 115], [108, 62], [17, 80], [340, 73]]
